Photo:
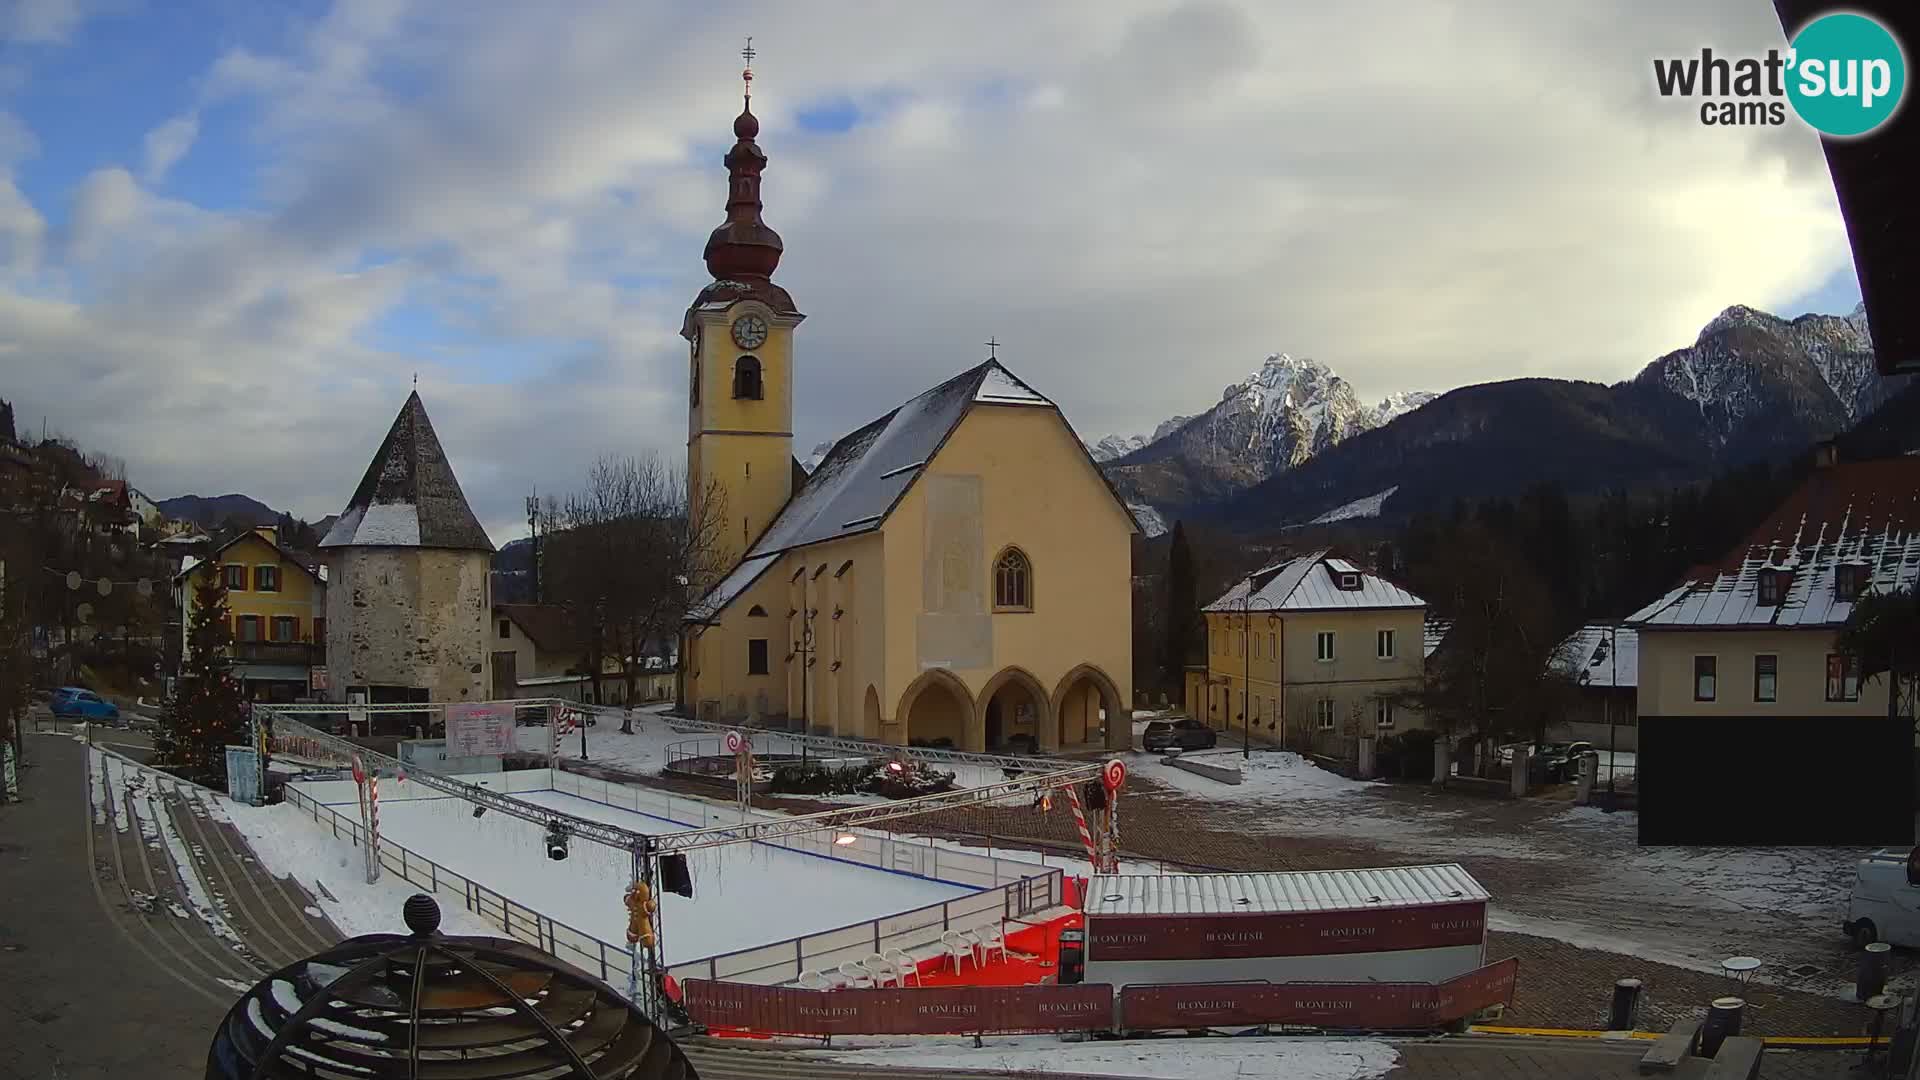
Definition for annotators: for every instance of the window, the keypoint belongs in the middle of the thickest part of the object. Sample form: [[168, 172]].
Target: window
[[266, 579], [1766, 678], [506, 629], [1273, 645], [1256, 706], [1843, 678], [757, 656], [1012, 581], [1256, 646], [1382, 713], [247, 628], [236, 579], [1772, 585], [756, 612], [1383, 644], [1323, 712], [746, 378], [1849, 582], [1705, 670], [1323, 646], [285, 628], [1349, 582]]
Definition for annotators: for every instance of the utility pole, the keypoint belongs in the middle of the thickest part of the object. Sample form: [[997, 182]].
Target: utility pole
[[533, 530]]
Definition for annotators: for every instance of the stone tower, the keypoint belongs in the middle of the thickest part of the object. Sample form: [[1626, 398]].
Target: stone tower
[[408, 586], [740, 375]]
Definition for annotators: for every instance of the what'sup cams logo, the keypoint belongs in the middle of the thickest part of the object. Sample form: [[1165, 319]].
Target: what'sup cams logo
[[1843, 74]]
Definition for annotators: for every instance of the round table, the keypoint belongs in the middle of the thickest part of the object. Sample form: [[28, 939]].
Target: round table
[[1740, 969]]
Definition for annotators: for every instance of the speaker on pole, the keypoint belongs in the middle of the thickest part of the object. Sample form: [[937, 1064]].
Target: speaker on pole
[[674, 876]]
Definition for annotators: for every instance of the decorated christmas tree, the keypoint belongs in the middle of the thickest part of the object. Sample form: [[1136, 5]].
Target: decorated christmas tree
[[205, 714]]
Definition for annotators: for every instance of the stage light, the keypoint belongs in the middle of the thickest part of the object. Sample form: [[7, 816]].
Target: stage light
[[845, 839], [556, 841], [477, 811]]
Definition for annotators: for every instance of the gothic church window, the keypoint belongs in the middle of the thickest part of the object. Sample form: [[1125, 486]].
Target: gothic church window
[[1012, 581], [746, 378]]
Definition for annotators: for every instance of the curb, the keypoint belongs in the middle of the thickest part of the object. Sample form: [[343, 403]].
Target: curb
[[1835, 1042]]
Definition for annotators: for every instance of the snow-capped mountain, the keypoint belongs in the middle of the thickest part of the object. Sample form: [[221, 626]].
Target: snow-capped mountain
[[1119, 446], [812, 461]]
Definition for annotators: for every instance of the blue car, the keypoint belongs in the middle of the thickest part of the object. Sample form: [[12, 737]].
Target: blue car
[[76, 703]]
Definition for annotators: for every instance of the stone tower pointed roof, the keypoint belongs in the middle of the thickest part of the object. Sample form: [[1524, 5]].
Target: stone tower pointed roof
[[409, 496]]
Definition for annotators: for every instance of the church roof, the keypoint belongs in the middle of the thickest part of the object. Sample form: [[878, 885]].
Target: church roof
[[867, 473], [409, 496]]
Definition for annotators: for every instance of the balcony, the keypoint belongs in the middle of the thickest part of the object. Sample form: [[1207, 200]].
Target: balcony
[[289, 653]]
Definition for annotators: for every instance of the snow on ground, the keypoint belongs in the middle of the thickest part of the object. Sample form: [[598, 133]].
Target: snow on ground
[[1171, 1058], [744, 895], [156, 828], [291, 844], [1367, 507], [1266, 775], [655, 741]]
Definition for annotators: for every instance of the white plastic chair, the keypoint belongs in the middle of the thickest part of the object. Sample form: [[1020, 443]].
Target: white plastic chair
[[855, 975], [882, 972], [992, 940], [974, 944], [813, 980], [957, 946], [908, 968]]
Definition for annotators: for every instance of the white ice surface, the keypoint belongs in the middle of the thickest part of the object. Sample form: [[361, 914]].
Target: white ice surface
[[744, 895]]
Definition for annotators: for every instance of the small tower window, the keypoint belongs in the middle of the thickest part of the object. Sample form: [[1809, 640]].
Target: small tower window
[[746, 378], [1012, 581]]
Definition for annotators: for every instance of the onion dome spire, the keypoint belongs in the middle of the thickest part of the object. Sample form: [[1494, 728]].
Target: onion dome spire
[[743, 246]]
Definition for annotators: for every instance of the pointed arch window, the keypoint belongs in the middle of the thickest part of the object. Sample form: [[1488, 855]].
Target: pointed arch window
[[746, 378], [757, 612], [1012, 581]]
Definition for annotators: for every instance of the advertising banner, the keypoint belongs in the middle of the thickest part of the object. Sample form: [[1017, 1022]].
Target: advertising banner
[[479, 730]]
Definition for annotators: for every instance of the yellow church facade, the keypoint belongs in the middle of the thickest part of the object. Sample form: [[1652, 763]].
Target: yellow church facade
[[954, 573]]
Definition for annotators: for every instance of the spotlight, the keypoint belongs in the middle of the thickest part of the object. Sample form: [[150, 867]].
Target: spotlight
[[556, 841], [477, 811], [846, 838]]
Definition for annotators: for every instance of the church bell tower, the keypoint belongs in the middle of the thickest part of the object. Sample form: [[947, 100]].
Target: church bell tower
[[740, 372]]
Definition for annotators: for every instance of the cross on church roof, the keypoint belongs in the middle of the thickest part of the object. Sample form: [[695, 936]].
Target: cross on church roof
[[746, 75], [993, 349]]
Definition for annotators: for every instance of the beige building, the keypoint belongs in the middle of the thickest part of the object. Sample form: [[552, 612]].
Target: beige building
[[955, 572], [537, 652], [1311, 653], [1755, 635], [408, 572]]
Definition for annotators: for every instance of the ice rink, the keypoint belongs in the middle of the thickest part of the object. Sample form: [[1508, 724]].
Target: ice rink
[[744, 895]]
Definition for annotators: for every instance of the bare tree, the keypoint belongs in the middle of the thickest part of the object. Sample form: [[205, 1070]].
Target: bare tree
[[626, 556]]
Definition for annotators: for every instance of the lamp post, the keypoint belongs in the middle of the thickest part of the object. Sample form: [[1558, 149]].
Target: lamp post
[[1613, 689], [1246, 668]]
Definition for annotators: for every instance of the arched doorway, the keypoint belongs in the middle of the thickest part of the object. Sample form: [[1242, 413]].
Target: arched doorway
[[1083, 696], [937, 710], [1015, 713], [870, 714]]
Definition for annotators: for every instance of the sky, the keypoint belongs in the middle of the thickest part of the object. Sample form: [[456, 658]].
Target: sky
[[233, 233]]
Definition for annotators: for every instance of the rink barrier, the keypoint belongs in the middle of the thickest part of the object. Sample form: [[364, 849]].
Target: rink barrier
[[1006, 890], [1006, 1010]]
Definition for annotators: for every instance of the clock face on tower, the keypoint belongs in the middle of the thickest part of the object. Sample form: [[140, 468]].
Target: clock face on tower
[[749, 331]]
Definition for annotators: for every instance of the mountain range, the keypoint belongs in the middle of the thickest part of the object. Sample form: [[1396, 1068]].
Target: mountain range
[[1293, 445], [210, 512]]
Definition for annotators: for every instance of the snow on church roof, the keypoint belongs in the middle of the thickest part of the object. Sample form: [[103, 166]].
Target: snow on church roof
[[409, 496]]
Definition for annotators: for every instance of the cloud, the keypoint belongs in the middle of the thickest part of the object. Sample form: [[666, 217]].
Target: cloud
[[167, 144], [1141, 200], [40, 21]]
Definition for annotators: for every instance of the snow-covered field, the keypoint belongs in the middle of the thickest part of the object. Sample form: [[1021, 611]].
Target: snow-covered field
[[1171, 1059], [744, 895]]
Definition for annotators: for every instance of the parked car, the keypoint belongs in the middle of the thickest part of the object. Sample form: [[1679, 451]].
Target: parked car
[[78, 703], [1885, 903], [1185, 733]]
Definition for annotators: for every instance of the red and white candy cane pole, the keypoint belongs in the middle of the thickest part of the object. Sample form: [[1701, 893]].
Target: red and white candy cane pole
[[1080, 822], [373, 828], [1113, 776]]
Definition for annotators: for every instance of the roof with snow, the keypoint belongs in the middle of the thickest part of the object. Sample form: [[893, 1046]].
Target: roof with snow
[[1588, 657], [859, 482], [1309, 583], [1885, 558], [1271, 893], [1867, 495], [409, 496], [1435, 632]]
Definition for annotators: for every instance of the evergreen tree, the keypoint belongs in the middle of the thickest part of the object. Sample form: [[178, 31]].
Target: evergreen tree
[[1182, 609], [204, 716]]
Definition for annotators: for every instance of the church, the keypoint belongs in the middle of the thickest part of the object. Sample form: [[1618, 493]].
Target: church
[[955, 573]]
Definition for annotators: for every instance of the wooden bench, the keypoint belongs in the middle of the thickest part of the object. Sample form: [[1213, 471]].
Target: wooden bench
[[1738, 1059], [1669, 1050]]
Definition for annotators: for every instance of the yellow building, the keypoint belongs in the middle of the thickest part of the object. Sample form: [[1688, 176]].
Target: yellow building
[[1309, 654], [277, 604], [955, 572]]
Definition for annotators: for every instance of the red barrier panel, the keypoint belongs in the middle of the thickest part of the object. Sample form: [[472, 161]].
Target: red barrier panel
[[1372, 1006], [954, 1010], [1307, 933]]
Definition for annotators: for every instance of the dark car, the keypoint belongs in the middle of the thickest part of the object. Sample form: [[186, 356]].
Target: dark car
[[1183, 734]]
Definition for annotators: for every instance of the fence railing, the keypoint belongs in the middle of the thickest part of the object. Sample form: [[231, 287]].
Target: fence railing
[[1005, 890]]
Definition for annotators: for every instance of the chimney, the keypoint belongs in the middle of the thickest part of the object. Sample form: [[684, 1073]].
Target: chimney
[[1826, 454]]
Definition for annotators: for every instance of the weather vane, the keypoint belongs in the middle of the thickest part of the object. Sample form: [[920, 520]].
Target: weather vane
[[746, 75], [993, 349]]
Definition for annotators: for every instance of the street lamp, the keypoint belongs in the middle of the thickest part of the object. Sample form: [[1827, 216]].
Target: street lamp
[[1246, 666], [1613, 691]]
